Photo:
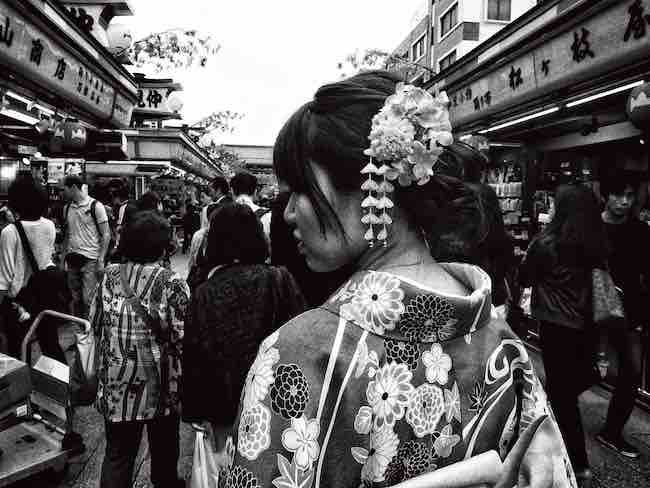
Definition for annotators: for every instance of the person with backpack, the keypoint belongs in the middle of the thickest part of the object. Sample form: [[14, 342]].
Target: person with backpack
[[86, 240], [244, 187], [26, 249]]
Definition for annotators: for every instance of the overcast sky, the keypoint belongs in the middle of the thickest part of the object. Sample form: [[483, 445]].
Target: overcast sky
[[274, 54]]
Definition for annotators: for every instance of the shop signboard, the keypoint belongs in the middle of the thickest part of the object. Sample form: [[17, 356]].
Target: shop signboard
[[616, 36], [27, 49], [158, 99]]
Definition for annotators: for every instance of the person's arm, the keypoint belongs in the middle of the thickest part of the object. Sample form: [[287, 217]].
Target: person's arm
[[105, 236], [8, 243], [529, 270]]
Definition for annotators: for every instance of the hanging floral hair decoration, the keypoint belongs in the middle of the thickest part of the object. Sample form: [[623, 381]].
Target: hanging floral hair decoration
[[407, 137]]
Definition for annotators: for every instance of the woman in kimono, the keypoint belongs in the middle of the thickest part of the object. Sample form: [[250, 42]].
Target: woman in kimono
[[403, 371]]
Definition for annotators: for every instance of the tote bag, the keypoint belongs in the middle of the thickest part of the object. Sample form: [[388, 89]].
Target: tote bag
[[205, 472], [606, 301], [83, 376]]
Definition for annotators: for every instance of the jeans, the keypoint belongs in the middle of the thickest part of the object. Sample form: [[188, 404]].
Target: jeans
[[628, 350], [122, 444], [568, 356], [82, 282]]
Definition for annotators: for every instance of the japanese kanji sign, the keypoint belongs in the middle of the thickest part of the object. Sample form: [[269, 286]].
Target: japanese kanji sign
[[615, 36]]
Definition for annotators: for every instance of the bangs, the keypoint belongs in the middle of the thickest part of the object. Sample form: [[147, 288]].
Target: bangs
[[292, 153], [289, 152]]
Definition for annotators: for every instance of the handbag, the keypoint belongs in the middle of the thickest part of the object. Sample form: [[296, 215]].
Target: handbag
[[205, 470], [607, 306], [83, 374]]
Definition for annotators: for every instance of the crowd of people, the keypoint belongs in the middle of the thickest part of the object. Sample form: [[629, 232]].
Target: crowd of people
[[353, 333]]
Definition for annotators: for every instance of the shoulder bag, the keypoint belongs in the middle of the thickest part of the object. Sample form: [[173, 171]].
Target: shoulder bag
[[607, 305]]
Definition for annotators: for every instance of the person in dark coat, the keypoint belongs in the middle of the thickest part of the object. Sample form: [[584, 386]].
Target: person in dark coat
[[243, 301]]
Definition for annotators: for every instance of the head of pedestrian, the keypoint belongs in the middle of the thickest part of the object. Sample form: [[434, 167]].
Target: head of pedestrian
[[235, 236], [219, 187], [119, 193], [244, 183], [576, 230], [145, 238], [150, 201], [356, 202], [620, 194], [73, 188], [27, 198]]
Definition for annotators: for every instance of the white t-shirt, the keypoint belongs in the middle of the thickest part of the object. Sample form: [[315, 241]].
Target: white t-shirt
[[83, 235], [15, 269], [264, 219]]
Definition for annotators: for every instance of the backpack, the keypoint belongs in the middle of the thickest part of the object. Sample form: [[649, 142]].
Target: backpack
[[46, 287], [93, 213]]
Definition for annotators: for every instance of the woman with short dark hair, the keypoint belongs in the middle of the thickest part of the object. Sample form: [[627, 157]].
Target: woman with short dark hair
[[137, 315], [242, 301]]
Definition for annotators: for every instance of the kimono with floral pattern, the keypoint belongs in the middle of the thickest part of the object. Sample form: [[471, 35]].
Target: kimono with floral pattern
[[386, 381], [138, 369]]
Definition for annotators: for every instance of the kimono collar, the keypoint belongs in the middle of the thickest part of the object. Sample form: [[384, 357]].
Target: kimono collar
[[390, 306]]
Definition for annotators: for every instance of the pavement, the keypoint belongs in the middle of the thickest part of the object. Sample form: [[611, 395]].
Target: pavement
[[610, 469]]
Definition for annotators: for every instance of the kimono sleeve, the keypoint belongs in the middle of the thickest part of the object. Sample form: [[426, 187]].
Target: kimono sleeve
[[277, 431]]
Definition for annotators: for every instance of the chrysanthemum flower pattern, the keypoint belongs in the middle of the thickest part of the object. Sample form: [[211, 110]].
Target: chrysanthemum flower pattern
[[428, 318], [402, 352], [413, 459], [254, 428], [383, 448], [290, 391], [241, 478], [425, 409], [260, 376], [376, 304], [389, 393]]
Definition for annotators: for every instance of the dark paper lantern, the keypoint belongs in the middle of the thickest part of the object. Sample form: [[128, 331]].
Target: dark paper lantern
[[638, 106], [69, 135]]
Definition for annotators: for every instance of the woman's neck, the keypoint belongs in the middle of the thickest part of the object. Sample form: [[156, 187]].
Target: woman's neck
[[409, 257]]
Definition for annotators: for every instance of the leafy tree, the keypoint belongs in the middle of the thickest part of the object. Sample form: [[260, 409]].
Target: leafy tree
[[172, 49], [221, 121], [228, 161], [372, 59]]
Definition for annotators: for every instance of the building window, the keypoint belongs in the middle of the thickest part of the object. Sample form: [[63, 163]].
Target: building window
[[418, 48], [499, 10], [447, 60], [449, 20]]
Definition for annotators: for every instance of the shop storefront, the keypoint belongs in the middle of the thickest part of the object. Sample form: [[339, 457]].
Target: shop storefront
[[63, 96], [551, 94]]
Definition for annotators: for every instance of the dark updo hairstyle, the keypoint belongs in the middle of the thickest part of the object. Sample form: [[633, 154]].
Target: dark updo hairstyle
[[145, 237], [235, 235], [332, 131]]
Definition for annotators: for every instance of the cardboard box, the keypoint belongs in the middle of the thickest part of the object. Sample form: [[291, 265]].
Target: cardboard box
[[15, 381]]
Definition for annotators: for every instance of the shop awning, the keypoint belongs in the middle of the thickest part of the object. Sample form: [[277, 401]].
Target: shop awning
[[127, 168]]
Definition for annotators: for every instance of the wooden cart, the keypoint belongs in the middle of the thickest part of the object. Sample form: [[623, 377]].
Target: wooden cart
[[31, 443]]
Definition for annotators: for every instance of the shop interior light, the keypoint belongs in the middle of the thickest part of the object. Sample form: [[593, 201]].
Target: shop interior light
[[21, 116], [606, 93], [520, 120], [30, 103]]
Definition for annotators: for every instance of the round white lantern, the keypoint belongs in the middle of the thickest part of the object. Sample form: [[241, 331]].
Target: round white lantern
[[120, 39], [175, 102]]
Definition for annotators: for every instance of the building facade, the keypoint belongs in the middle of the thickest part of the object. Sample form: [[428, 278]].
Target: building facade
[[452, 28], [559, 96]]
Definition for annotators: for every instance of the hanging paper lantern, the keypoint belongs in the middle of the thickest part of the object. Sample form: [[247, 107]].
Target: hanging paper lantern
[[69, 135], [175, 102], [120, 40], [638, 106]]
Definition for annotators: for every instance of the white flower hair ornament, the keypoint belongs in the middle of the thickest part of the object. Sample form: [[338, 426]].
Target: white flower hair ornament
[[407, 137]]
